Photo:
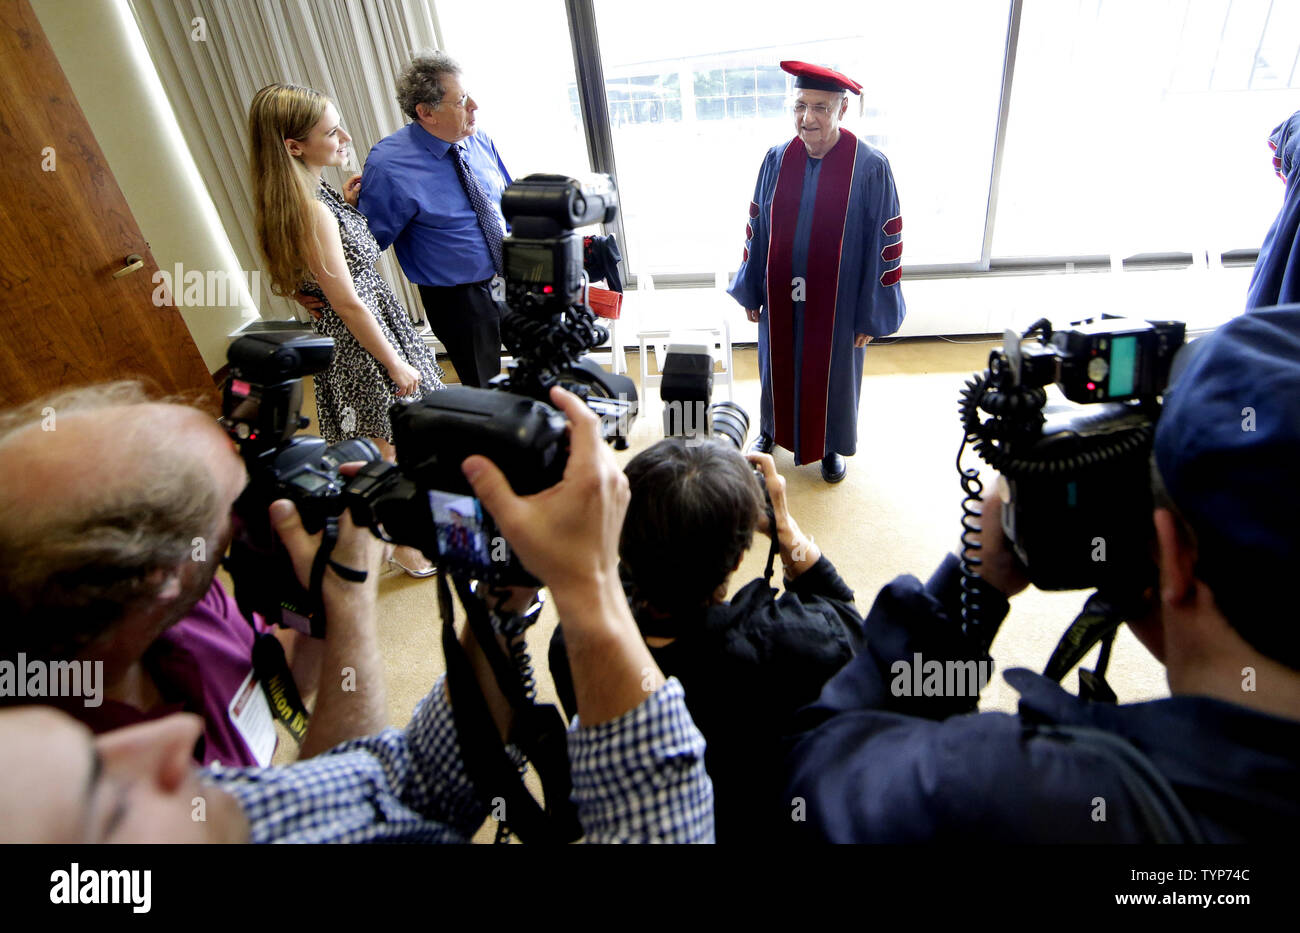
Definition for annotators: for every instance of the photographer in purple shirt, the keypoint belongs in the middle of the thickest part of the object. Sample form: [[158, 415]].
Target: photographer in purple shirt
[[636, 759], [112, 527]]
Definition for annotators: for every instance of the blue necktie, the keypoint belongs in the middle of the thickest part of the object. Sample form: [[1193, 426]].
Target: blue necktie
[[483, 209]]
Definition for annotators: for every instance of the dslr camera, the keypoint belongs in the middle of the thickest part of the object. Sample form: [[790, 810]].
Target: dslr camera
[[262, 412], [1075, 484]]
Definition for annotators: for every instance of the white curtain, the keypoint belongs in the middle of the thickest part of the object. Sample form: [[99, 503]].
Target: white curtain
[[213, 55]]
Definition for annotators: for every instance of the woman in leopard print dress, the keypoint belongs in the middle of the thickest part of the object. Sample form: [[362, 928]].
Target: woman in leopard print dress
[[353, 395], [315, 241]]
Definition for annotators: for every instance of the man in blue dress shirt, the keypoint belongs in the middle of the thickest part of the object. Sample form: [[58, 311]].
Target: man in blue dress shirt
[[415, 198]]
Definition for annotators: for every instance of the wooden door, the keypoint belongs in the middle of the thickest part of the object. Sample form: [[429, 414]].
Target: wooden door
[[65, 230]]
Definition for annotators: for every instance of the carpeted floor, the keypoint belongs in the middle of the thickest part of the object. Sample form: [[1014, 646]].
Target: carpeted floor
[[896, 512]]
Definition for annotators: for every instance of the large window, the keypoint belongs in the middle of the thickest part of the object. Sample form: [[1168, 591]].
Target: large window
[[696, 97], [1142, 126], [518, 63], [1132, 126]]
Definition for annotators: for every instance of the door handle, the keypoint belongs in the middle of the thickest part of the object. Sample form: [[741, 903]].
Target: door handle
[[134, 263]]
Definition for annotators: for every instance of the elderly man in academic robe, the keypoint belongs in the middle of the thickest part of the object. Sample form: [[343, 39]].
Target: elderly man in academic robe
[[820, 273], [1276, 279]]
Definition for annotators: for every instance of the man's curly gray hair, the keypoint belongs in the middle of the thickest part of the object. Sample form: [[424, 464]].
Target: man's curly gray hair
[[421, 81]]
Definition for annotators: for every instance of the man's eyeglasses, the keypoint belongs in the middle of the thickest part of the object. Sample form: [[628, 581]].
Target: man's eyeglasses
[[820, 110], [459, 102]]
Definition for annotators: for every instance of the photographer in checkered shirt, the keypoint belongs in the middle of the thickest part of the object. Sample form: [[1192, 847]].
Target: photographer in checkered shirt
[[637, 759]]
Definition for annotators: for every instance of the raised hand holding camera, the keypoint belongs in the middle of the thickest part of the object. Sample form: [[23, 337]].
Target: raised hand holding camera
[[564, 529], [998, 566], [566, 535], [798, 550]]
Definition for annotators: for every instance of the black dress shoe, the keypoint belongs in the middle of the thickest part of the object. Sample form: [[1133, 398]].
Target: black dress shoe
[[834, 468], [763, 445]]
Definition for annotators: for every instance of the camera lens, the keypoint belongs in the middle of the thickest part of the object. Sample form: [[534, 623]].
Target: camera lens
[[729, 420]]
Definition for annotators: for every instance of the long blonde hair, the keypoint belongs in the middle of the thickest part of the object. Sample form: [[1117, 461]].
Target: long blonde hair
[[283, 188]]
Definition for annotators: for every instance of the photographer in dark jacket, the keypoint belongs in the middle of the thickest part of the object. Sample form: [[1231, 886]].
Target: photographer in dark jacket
[[1219, 760], [747, 664]]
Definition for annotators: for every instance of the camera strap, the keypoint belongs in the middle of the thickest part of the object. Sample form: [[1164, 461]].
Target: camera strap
[[774, 547], [538, 731], [1097, 622], [271, 667]]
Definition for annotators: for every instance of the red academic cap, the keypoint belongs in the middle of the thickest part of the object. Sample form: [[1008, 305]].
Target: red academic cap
[[817, 78]]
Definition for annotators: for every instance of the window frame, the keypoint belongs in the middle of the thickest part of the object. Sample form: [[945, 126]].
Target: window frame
[[594, 108]]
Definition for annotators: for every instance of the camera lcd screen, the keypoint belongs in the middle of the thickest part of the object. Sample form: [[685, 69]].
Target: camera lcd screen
[[1123, 361], [462, 536], [530, 264]]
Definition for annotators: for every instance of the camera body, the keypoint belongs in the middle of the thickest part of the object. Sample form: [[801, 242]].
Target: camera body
[[523, 436], [1075, 487], [548, 328], [542, 257], [262, 412]]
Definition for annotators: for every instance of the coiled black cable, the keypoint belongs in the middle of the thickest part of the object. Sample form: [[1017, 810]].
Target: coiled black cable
[[523, 664], [512, 629], [971, 608], [543, 349], [1013, 413], [1016, 421]]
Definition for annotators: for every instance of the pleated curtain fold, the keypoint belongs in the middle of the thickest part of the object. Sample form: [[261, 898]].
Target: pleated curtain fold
[[212, 56]]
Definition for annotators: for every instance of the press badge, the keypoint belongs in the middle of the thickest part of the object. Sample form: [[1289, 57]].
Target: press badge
[[252, 717]]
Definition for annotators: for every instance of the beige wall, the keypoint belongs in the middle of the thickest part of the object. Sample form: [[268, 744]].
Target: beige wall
[[103, 57]]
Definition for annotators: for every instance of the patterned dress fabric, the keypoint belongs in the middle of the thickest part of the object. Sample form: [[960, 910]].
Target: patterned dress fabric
[[354, 394]]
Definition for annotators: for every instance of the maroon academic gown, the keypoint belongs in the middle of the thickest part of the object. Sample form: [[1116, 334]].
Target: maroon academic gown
[[823, 257]]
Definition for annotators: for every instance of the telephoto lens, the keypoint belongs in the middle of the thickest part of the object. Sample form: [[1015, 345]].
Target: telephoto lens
[[730, 421]]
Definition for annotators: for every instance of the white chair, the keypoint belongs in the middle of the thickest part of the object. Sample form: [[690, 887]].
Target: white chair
[[718, 337]]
